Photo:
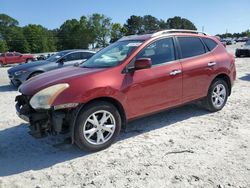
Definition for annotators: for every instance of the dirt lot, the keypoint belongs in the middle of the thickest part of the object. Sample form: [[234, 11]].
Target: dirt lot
[[183, 147]]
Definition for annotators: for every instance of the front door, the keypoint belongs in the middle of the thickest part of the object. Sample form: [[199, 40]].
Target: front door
[[158, 87]]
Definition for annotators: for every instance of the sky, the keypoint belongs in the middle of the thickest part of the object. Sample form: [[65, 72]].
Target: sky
[[217, 16]]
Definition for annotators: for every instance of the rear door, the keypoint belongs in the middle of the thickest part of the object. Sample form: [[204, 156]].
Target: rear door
[[158, 87], [198, 66]]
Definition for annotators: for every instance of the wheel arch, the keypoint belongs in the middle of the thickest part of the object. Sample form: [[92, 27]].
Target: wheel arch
[[110, 100], [226, 78], [38, 71]]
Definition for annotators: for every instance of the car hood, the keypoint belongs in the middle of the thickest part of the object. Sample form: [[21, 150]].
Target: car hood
[[27, 66], [63, 75]]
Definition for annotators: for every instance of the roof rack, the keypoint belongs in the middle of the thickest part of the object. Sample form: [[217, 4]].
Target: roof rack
[[177, 31]]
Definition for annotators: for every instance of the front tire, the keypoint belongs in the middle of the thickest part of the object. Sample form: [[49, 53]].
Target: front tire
[[97, 126], [237, 54], [217, 96]]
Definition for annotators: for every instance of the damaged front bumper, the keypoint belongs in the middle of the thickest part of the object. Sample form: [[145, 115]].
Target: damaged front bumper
[[42, 122]]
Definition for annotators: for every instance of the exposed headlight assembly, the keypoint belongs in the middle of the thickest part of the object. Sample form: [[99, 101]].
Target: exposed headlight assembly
[[17, 73], [44, 98]]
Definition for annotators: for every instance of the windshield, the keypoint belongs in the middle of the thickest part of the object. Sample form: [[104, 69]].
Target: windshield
[[57, 56], [248, 43], [113, 54]]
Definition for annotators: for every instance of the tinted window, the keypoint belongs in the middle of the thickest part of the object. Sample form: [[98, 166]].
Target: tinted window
[[161, 51], [209, 43], [1, 55], [9, 54], [86, 55], [73, 56], [191, 46], [17, 54]]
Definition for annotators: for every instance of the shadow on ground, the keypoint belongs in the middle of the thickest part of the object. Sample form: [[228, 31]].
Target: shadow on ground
[[19, 152], [7, 88], [246, 77]]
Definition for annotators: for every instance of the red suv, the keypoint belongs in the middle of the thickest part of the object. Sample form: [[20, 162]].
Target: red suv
[[133, 77], [14, 57]]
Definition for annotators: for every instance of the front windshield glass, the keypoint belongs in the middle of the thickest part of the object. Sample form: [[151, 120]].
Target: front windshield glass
[[113, 54], [57, 56]]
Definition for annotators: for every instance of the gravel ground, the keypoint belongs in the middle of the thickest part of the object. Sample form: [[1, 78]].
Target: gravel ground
[[183, 147]]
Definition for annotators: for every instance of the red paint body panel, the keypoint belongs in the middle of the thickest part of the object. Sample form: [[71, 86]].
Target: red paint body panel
[[144, 91]]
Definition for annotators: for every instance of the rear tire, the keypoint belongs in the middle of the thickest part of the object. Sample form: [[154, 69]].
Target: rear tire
[[217, 96], [92, 132], [237, 54]]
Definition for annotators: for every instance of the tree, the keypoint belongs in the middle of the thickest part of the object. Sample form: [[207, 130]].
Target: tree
[[180, 23], [117, 32], [101, 29], [7, 21], [39, 38], [150, 24], [134, 25], [15, 40], [3, 46]]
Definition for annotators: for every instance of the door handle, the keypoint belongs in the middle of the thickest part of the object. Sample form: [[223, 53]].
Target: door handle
[[211, 64], [175, 72]]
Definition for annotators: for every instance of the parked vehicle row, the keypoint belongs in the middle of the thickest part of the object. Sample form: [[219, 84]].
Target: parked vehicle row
[[21, 73], [133, 77], [14, 57]]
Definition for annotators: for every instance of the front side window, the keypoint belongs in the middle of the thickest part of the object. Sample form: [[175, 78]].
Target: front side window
[[113, 55], [191, 46], [159, 52], [9, 55], [17, 54]]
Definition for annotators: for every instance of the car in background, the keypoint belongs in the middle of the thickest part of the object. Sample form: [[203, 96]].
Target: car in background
[[133, 77], [14, 57], [21, 73], [244, 50], [228, 41]]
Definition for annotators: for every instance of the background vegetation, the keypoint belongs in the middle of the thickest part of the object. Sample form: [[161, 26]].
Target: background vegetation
[[93, 31]]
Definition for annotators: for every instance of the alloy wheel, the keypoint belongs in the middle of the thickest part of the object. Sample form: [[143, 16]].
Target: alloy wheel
[[99, 127]]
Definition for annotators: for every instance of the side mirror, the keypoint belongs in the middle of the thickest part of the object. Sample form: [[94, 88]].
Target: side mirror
[[62, 60], [143, 63]]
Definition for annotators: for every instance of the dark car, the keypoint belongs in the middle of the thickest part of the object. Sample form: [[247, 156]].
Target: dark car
[[21, 73], [244, 50], [133, 77]]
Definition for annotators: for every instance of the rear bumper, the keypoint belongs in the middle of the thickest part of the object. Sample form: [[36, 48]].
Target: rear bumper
[[41, 123]]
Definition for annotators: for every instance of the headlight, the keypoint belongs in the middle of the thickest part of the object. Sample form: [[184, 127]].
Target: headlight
[[44, 98], [17, 73]]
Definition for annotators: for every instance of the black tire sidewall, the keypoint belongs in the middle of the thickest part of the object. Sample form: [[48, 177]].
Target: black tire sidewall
[[210, 92], [81, 142]]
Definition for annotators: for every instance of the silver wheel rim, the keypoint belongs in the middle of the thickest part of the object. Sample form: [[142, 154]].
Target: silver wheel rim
[[99, 127], [219, 96]]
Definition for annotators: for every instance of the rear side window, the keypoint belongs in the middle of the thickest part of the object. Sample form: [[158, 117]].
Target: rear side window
[[191, 46], [210, 43], [73, 56], [86, 55]]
